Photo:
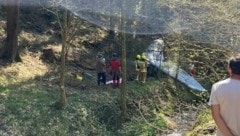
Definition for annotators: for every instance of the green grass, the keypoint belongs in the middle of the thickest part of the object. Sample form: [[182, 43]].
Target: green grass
[[30, 109], [143, 128], [2, 89], [204, 120]]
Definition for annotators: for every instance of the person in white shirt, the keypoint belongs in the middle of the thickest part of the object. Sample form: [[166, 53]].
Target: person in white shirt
[[224, 101]]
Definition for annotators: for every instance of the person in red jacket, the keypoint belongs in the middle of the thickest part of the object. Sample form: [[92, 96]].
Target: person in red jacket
[[115, 70], [192, 69]]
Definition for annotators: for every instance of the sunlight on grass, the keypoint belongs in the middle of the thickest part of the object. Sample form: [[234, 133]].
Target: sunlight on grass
[[30, 105], [33, 38], [205, 125], [21, 72]]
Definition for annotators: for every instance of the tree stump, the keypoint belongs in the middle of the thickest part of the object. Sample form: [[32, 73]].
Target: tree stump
[[48, 55]]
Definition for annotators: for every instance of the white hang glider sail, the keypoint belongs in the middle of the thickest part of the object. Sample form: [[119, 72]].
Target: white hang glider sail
[[155, 55]]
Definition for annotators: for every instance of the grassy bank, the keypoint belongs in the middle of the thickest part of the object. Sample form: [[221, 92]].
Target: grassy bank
[[28, 108]]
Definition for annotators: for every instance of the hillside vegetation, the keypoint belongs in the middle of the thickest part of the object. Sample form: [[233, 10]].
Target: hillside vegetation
[[162, 106]]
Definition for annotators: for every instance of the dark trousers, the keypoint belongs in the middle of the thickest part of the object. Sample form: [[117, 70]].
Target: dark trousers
[[101, 77], [116, 78]]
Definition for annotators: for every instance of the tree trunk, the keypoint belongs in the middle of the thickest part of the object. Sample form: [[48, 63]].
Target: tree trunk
[[63, 99], [111, 32], [10, 49], [123, 88], [123, 106]]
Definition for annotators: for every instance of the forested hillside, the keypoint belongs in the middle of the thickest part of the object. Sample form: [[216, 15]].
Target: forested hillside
[[205, 33]]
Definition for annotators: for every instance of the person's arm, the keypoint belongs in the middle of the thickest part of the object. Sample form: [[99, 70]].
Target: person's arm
[[120, 67], [104, 66], [136, 64], [219, 120]]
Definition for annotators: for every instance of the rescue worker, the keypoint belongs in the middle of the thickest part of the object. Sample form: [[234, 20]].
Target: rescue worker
[[101, 69], [143, 68], [137, 71], [192, 69], [115, 70]]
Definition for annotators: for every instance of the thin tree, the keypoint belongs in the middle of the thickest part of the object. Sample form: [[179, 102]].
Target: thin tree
[[66, 22], [63, 20], [10, 50], [64, 29], [123, 105], [111, 27]]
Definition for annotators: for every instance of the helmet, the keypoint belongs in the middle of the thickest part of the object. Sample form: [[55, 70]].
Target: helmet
[[138, 56], [144, 57]]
